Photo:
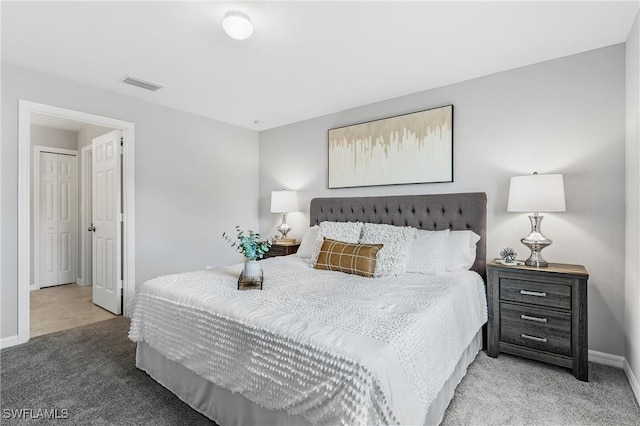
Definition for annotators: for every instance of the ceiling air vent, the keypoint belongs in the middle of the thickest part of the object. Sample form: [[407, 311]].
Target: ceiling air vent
[[143, 84]]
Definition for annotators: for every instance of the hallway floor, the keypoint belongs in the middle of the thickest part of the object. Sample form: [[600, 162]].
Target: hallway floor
[[62, 307]]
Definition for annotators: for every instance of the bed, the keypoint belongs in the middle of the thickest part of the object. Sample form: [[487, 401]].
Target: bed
[[321, 347]]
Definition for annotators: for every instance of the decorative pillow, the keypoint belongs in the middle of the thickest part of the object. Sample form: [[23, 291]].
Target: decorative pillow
[[427, 252], [460, 250], [356, 259], [393, 257], [308, 240], [348, 232]]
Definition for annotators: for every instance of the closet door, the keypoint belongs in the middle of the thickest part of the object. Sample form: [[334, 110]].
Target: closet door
[[67, 211], [48, 212], [57, 205]]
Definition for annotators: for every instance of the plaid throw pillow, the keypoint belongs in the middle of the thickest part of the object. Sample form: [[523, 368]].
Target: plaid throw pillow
[[356, 259]]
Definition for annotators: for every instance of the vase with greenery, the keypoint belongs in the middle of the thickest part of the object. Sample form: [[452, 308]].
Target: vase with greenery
[[248, 243]]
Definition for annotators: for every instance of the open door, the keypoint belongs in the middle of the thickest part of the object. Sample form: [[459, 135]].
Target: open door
[[107, 219]]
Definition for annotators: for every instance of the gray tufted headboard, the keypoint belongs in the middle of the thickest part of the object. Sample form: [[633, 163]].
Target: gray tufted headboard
[[431, 212]]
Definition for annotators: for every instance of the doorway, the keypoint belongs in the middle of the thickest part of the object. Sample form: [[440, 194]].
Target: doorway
[[126, 281], [62, 294]]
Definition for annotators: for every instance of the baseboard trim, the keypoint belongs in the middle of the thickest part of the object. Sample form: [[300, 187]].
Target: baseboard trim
[[618, 362], [7, 342], [633, 381], [606, 359]]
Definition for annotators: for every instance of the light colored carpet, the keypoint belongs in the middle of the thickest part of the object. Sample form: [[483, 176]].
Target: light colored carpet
[[90, 371], [510, 390]]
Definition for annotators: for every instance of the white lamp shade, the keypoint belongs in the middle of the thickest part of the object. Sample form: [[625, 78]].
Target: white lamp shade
[[284, 201], [536, 193], [237, 25]]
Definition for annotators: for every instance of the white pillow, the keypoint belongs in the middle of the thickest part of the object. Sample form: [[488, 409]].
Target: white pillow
[[396, 241], [427, 252], [308, 240], [460, 250], [347, 232]]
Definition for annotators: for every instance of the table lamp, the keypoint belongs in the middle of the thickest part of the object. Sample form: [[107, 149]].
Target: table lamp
[[284, 202], [534, 194]]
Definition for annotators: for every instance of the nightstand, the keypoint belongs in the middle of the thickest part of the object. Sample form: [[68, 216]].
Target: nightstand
[[539, 313], [281, 250]]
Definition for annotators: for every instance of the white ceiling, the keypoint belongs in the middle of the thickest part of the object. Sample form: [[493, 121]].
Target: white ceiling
[[304, 59]]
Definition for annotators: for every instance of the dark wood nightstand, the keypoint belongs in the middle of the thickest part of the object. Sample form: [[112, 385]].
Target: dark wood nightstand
[[539, 313], [282, 250]]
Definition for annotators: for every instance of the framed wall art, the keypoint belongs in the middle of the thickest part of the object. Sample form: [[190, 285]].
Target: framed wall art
[[409, 148]]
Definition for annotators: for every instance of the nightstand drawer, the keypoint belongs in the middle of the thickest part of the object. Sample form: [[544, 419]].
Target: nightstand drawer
[[542, 329], [535, 292], [281, 250], [277, 250]]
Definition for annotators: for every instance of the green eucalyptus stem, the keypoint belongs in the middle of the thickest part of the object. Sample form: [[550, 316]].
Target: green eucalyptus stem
[[248, 243]]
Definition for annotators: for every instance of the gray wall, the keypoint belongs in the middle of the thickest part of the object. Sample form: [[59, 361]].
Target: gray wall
[[562, 116], [632, 279], [195, 178], [53, 138], [88, 133]]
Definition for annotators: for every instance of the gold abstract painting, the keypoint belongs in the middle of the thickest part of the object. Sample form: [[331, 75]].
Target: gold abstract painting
[[411, 148]]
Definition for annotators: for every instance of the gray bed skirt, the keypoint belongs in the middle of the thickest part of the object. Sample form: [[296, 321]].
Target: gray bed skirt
[[227, 408]]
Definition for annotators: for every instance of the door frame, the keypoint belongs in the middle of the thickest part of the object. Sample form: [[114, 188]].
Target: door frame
[[37, 149], [84, 216], [25, 109]]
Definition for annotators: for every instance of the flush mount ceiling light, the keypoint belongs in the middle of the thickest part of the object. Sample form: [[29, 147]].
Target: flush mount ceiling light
[[141, 83], [237, 25]]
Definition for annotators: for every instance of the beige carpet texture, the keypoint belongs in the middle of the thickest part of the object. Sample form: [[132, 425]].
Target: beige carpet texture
[[90, 372]]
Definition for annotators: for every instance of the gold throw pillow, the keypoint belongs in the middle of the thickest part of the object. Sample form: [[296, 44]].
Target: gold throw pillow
[[356, 259]]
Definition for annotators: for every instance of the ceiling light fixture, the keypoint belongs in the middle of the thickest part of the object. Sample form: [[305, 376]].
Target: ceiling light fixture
[[141, 83], [237, 25]]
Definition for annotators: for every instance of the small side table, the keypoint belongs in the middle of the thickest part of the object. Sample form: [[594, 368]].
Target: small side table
[[539, 313], [282, 250]]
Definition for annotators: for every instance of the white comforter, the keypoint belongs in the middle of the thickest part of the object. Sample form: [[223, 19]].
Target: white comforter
[[332, 347]]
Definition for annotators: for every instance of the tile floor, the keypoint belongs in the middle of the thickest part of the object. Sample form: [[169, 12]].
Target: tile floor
[[62, 307]]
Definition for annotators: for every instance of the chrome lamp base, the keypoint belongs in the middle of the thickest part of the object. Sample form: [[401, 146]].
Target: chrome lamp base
[[536, 242], [284, 228]]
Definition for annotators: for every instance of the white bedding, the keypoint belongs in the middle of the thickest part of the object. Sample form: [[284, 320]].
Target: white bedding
[[334, 348]]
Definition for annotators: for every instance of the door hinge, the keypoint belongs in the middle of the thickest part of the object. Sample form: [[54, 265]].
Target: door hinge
[[120, 217], [121, 289]]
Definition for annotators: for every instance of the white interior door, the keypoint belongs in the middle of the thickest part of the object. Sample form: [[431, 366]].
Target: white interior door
[[68, 208], [57, 200], [107, 218], [48, 202]]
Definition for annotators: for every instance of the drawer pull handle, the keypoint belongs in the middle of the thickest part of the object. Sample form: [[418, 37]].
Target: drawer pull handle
[[534, 338], [530, 318], [533, 293]]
